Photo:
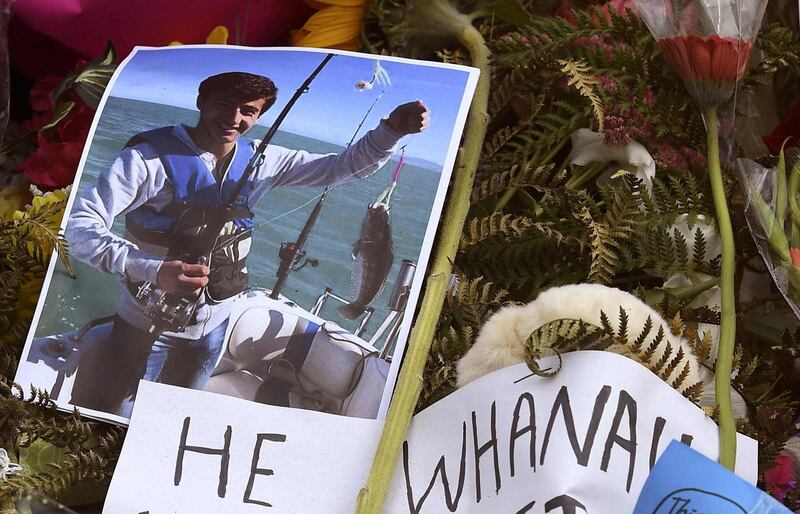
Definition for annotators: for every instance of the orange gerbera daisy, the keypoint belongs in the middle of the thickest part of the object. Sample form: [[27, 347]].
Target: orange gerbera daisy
[[336, 24], [710, 65]]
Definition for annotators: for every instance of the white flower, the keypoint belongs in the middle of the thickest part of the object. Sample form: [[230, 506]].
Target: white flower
[[7, 467], [589, 147]]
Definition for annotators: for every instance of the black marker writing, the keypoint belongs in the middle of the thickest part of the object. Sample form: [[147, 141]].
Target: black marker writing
[[255, 470], [225, 453]]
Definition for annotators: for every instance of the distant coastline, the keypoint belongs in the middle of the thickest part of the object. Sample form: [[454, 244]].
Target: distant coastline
[[260, 129]]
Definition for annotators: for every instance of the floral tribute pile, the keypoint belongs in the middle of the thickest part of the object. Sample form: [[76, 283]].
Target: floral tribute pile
[[595, 139]]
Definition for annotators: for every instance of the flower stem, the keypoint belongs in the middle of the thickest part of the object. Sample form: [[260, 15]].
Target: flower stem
[[372, 496], [727, 329]]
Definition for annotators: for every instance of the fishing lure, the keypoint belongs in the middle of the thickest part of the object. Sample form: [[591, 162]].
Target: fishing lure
[[379, 76]]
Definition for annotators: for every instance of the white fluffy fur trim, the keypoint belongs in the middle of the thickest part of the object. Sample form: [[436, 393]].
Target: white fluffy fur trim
[[501, 341]]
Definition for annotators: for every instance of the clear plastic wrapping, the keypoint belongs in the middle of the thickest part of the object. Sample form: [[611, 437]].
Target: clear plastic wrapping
[[773, 217]]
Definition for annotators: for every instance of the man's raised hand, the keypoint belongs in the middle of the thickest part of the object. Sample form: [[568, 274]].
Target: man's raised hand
[[409, 118], [181, 278]]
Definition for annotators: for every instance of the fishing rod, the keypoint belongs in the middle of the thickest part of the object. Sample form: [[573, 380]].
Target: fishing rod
[[258, 155], [170, 311], [290, 253]]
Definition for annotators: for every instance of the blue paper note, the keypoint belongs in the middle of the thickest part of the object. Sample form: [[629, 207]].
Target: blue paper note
[[684, 481]]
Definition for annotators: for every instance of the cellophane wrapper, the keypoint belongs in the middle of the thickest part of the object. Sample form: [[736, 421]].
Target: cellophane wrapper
[[758, 180]]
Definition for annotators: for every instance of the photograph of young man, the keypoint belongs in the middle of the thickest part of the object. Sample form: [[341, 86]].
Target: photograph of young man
[[154, 181]]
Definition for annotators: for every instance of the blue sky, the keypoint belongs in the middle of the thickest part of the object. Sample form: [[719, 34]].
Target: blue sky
[[330, 111]]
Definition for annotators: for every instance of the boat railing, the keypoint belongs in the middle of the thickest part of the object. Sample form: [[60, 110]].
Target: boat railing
[[328, 293], [390, 326]]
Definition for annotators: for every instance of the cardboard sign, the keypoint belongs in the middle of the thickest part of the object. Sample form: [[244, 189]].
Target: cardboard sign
[[582, 441], [686, 481]]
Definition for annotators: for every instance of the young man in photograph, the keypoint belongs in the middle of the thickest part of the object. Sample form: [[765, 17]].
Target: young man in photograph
[[159, 182]]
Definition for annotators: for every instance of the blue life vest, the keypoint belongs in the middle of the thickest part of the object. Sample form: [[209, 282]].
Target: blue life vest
[[198, 199]]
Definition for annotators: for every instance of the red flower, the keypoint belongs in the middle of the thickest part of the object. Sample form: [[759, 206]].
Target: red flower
[[788, 130], [710, 65], [55, 161], [794, 254], [53, 165], [75, 126], [780, 478], [564, 10], [714, 58], [41, 95]]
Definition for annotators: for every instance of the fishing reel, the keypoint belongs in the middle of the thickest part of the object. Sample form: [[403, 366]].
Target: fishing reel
[[166, 311], [290, 257]]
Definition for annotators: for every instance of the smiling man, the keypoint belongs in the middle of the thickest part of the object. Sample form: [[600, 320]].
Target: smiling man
[[160, 180]]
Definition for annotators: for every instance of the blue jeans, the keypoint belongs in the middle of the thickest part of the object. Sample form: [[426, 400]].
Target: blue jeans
[[183, 362], [109, 371]]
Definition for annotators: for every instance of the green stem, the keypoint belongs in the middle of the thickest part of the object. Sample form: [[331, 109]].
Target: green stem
[[656, 296], [503, 201], [794, 208], [689, 292], [586, 174], [372, 496], [727, 329], [554, 151]]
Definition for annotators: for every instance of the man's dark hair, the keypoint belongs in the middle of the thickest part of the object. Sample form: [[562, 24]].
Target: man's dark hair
[[241, 87]]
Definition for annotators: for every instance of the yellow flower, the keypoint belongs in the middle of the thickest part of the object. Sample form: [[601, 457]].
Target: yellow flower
[[53, 204], [336, 24], [41, 200], [13, 198], [217, 36], [53, 219]]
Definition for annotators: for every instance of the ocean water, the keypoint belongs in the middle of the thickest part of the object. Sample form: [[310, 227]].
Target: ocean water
[[71, 303]]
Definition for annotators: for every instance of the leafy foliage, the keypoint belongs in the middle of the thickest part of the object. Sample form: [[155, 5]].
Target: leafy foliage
[[76, 450], [467, 307], [537, 221], [531, 224], [581, 79]]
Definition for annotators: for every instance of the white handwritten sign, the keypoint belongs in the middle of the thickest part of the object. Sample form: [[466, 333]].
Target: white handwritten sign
[[582, 441]]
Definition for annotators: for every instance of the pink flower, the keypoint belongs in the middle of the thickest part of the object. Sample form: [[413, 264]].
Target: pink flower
[[607, 82], [695, 158], [670, 157], [595, 42], [639, 125], [615, 133]]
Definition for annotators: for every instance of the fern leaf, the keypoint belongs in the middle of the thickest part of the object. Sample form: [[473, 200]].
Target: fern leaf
[[585, 83]]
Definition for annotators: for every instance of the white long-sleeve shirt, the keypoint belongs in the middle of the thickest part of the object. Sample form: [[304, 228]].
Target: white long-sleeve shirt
[[137, 178]]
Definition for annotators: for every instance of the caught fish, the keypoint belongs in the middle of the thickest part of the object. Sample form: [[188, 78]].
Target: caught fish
[[372, 260]]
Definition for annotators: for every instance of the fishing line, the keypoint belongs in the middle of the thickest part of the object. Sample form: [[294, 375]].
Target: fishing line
[[333, 186], [313, 198], [290, 211]]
